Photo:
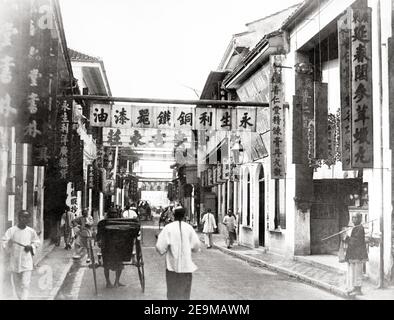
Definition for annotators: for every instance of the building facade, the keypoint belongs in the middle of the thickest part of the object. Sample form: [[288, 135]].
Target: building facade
[[302, 174]]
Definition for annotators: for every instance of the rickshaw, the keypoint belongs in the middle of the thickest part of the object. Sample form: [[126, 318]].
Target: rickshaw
[[119, 233]]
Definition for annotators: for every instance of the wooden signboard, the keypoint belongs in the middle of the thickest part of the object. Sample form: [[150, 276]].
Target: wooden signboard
[[362, 102], [278, 138], [321, 117], [344, 38]]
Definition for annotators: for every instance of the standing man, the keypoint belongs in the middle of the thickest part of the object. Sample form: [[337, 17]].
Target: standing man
[[67, 227], [231, 225], [209, 227], [356, 256], [178, 240], [21, 242], [83, 225]]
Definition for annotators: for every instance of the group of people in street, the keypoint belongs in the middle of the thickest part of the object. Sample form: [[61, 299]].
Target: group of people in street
[[177, 241], [230, 221]]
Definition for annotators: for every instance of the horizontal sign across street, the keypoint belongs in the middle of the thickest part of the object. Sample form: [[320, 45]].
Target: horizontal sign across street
[[137, 138], [164, 117]]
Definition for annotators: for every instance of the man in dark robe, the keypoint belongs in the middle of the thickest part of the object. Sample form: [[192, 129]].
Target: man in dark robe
[[356, 256]]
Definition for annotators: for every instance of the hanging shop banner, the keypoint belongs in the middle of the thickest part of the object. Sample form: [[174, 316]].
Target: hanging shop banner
[[298, 141], [36, 96], [321, 115], [246, 119], [100, 156], [14, 26], [278, 166], [304, 89], [219, 173], [226, 170], [362, 103], [331, 140], [210, 177], [121, 116], [142, 117], [76, 151], [40, 151], [90, 182], [108, 161], [215, 175], [205, 118], [100, 115], [184, 118], [162, 117], [344, 53], [64, 137], [145, 138], [225, 118]]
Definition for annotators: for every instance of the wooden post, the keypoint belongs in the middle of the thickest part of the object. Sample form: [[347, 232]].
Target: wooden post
[[169, 101]]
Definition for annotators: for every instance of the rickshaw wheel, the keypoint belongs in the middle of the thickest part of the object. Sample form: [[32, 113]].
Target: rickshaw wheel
[[140, 265]]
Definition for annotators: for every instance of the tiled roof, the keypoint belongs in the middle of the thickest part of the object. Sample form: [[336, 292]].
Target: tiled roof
[[295, 6], [79, 56], [295, 13]]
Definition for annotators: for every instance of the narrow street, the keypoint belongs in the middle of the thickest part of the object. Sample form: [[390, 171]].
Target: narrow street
[[266, 127], [219, 277]]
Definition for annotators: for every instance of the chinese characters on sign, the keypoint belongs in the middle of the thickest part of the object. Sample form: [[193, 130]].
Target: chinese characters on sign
[[100, 115], [304, 87], [90, 176], [344, 48], [121, 116], [361, 58], [14, 17], [64, 121], [277, 122], [162, 117], [37, 75]]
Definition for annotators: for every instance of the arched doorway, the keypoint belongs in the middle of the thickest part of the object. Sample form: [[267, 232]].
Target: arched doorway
[[261, 207]]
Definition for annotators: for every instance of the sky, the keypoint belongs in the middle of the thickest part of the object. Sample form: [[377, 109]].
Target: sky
[[159, 48]]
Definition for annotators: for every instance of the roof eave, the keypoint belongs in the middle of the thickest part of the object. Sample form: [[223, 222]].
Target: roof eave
[[257, 57]]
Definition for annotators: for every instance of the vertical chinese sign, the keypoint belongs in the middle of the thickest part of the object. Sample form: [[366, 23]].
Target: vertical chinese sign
[[14, 28], [278, 166], [304, 87], [37, 76], [91, 179], [64, 137], [362, 125], [344, 53], [321, 123]]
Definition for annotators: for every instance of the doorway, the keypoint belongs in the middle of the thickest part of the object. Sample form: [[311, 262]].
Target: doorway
[[330, 212], [261, 207]]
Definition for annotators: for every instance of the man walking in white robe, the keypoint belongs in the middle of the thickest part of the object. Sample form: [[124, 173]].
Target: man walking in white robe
[[209, 227], [21, 242], [177, 241]]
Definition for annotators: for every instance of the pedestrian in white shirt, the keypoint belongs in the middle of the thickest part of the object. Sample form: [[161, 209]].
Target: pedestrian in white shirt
[[209, 227], [21, 242], [178, 240]]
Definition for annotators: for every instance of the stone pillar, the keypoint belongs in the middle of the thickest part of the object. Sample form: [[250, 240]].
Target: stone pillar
[[302, 209]]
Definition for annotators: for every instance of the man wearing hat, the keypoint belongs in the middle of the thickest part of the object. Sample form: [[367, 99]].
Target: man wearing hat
[[178, 240], [21, 242]]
